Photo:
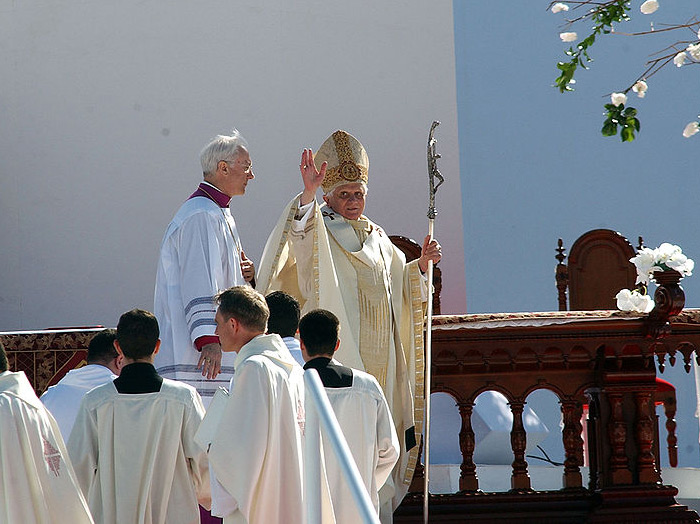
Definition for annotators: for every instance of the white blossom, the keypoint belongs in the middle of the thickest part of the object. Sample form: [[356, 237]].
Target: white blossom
[[618, 98], [559, 7], [634, 301], [691, 129], [679, 59], [649, 7], [568, 37], [644, 261], [694, 50], [640, 88]]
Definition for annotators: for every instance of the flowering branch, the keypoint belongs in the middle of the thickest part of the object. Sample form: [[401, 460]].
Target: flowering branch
[[618, 117]]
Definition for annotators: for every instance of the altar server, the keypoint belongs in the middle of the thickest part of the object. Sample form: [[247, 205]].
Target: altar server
[[256, 452], [37, 482], [133, 444], [361, 410], [103, 365]]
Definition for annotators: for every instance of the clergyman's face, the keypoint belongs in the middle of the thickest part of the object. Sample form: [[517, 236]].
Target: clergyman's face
[[347, 200], [226, 330], [239, 172]]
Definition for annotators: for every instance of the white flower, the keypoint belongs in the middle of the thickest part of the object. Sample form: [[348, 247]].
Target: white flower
[[649, 7], [644, 261], [618, 98], [691, 129], [559, 7], [679, 59], [694, 50], [634, 301], [568, 37], [640, 88]]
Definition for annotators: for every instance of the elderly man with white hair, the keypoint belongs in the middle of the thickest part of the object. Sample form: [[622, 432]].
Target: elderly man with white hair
[[201, 255], [331, 256]]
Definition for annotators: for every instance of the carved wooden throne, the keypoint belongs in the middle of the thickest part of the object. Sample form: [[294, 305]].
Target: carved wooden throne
[[599, 267]]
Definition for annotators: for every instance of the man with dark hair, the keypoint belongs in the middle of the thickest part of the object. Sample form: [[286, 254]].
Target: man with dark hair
[[133, 442], [255, 453], [284, 321], [38, 484], [361, 410], [103, 365]]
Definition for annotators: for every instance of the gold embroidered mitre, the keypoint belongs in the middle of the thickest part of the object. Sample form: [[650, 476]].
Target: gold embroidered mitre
[[348, 162]]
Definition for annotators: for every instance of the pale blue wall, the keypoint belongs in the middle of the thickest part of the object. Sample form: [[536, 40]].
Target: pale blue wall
[[534, 166]]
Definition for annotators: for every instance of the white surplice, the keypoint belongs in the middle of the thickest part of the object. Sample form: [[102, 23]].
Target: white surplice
[[379, 299], [63, 399], [135, 455], [256, 454], [37, 482], [200, 256], [364, 418]]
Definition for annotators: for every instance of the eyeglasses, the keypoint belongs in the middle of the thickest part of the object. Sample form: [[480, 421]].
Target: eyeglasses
[[248, 168], [347, 195]]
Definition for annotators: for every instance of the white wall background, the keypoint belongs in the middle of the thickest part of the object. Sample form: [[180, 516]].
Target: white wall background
[[105, 106]]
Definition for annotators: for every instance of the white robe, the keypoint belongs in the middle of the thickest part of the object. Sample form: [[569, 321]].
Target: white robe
[[317, 265], [199, 257], [37, 482], [63, 399], [135, 455], [365, 420], [256, 453]]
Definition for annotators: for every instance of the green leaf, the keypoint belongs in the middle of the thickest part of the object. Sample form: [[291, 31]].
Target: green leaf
[[627, 134], [630, 111], [609, 129]]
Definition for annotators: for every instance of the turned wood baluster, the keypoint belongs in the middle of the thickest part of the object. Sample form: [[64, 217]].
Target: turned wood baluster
[[617, 433], [468, 480], [520, 480], [573, 443], [646, 463], [671, 440]]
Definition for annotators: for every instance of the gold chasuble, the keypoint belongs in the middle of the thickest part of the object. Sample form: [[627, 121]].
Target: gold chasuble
[[351, 268]]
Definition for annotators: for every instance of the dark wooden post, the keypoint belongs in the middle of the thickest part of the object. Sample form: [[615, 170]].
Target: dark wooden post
[[520, 480], [573, 443], [468, 480]]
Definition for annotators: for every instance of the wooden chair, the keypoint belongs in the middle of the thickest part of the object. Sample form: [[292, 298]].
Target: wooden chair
[[599, 267]]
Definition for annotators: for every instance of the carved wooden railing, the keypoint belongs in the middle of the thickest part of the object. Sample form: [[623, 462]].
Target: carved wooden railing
[[602, 359]]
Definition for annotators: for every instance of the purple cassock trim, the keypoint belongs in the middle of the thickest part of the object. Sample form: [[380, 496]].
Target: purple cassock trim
[[210, 192]]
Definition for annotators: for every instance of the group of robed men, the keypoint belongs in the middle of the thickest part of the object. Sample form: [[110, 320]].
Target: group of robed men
[[328, 256], [135, 446]]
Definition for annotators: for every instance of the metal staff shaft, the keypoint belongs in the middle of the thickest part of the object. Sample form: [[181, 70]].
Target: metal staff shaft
[[433, 173], [428, 381]]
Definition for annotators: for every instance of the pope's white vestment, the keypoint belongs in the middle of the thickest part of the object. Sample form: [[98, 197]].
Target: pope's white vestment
[[352, 269], [63, 399], [364, 418], [135, 455], [200, 256], [256, 453], [37, 482]]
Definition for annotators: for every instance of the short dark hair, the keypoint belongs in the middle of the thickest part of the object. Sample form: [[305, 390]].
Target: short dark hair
[[137, 333], [3, 359], [318, 330], [284, 314], [101, 349], [246, 305]]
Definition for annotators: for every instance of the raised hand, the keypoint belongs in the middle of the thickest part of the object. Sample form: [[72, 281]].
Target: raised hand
[[311, 176]]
